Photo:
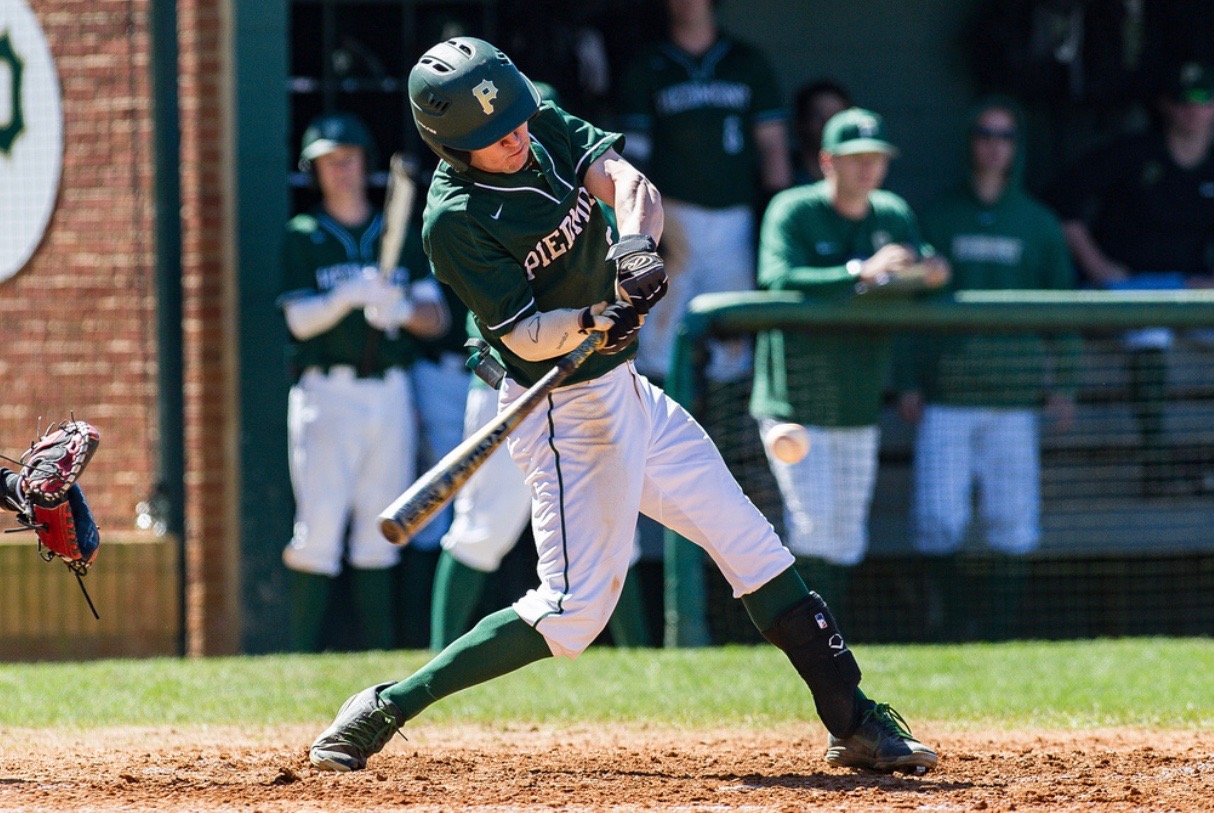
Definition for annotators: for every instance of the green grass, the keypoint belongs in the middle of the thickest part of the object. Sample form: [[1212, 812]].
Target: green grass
[[1138, 682]]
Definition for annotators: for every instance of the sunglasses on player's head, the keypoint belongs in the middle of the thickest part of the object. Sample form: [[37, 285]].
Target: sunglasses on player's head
[[991, 132]]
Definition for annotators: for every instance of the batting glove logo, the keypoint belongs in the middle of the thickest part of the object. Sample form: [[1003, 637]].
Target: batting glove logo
[[485, 93]]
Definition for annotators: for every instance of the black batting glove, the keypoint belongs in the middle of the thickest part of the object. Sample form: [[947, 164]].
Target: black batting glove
[[640, 272], [625, 322]]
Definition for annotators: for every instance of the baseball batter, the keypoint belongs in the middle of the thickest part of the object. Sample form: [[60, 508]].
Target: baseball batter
[[492, 511], [511, 224], [351, 421]]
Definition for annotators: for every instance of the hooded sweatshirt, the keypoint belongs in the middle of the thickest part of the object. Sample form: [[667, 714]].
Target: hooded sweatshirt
[[1013, 243]]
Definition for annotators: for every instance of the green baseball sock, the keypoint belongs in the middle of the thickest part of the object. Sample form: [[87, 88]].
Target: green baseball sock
[[828, 580], [373, 601], [309, 598], [499, 644], [457, 591], [767, 603], [628, 625]]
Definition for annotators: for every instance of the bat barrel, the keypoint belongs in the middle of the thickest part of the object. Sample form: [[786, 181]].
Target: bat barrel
[[401, 520]]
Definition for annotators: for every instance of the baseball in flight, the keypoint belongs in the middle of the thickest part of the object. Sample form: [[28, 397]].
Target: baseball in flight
[[788, 442]]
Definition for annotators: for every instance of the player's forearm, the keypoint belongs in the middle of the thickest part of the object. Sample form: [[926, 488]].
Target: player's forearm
[[1091, 260], [811, 279], [775, 169], [312, 315], [545, 335], [639, 208]]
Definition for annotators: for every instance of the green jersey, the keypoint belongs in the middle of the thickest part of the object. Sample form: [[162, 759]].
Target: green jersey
[[317, 254], [1012, 244], [511, 245], [816, 378], [700, 113]]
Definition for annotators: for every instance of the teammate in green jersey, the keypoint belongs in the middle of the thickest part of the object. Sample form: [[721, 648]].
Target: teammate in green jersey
[[512, 224], [703, 115], [836, 238], [351, 416]]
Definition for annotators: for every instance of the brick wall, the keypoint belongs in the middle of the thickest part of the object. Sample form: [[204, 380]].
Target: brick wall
[[78, 323]]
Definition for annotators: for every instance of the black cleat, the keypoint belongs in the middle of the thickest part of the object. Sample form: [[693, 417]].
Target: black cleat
[[882, 742]]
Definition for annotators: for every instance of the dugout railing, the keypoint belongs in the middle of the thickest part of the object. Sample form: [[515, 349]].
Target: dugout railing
[[1113, 560]]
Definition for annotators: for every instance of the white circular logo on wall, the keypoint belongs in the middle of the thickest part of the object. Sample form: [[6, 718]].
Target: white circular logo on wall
[[31, 135]]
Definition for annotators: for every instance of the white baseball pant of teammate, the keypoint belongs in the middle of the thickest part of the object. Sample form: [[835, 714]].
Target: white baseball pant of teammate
[[716, 253], [352, 442], [494, 506], [597, 454], [827, 494], [956, 447]]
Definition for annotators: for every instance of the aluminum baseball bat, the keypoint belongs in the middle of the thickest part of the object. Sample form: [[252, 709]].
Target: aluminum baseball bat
[[434, 489]]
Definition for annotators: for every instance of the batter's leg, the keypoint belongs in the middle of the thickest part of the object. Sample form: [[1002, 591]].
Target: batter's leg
[[688, 487], [499, 644]]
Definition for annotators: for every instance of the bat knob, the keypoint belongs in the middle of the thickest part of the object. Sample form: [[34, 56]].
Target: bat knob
[[392, 531]]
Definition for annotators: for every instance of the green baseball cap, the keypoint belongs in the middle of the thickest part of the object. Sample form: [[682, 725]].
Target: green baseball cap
[[1191, 82], [854, 131]]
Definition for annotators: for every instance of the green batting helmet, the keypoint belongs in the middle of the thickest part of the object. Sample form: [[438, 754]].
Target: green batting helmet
[[467, 94], [330, 131]]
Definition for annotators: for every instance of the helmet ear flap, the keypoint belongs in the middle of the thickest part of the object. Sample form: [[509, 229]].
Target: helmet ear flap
[[459, 160]]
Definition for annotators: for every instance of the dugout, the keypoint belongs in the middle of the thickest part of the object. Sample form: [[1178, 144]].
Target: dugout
[[147, 304], [1113, 560]]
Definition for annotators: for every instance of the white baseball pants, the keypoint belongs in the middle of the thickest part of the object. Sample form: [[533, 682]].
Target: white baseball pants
[[352, 444], [827, 495], [594, 455], [996, 449]]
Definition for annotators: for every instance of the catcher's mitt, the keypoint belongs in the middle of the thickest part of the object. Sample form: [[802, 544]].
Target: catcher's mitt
[[48, 500], [55, 461], [67, 530]]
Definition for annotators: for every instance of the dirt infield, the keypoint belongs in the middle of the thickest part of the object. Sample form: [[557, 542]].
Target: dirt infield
[[582, 769]]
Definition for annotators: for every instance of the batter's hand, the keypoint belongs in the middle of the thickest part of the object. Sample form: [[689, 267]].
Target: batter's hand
[[619, 320], [640, 271]]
